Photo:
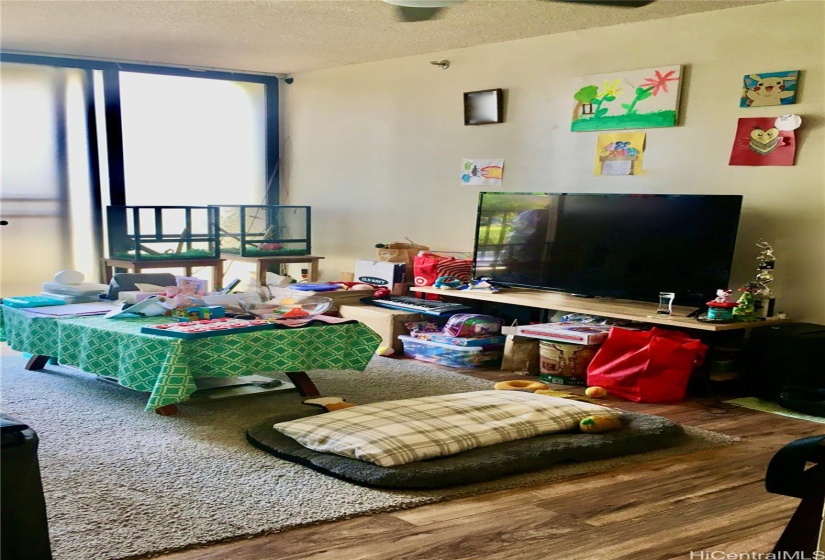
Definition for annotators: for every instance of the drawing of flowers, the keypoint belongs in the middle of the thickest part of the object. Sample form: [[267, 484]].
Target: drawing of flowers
[[644, 98], [659, 82], [612, 90]]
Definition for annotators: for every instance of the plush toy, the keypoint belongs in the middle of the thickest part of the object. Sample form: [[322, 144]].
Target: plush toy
[[520, 385], [567, 395], [596, 392], [597, 423], [447, 283], [593, 423]]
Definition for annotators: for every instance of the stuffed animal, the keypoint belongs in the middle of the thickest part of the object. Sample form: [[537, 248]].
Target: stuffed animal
[[596, 392], [591, 424], [597, 423]]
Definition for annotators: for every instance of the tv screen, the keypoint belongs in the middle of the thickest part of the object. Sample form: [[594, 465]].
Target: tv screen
[[624, 246]]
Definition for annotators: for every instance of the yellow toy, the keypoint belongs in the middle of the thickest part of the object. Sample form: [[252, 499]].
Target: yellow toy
[[596, 392], [594, 423], [597, 423], [520, 385], [384, 351]]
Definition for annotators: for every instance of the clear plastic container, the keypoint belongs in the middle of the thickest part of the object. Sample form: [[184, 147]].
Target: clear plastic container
[[451, 355]]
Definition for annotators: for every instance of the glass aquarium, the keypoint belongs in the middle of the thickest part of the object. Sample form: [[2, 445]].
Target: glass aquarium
[[153, 233], [264, 231]]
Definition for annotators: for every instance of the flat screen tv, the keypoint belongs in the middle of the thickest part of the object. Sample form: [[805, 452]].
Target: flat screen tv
[[623, 246]]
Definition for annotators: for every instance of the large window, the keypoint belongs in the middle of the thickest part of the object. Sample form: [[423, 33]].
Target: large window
[[213, 146], [79, 135]]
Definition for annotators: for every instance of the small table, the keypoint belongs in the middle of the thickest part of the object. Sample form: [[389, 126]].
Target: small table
[[110, 264], [262, 264], [167, 367]]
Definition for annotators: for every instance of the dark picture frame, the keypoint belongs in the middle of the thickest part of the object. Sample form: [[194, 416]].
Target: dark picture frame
[[484, 107]]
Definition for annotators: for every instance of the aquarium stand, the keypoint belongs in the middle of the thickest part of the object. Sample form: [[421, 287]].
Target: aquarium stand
[[262, 264], [110, 266]]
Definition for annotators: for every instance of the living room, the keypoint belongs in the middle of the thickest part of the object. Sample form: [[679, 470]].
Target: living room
[[375, 149]]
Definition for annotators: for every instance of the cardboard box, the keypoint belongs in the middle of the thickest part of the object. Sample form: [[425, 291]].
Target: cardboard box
[[575, 333], [378, 273], [389, 323]]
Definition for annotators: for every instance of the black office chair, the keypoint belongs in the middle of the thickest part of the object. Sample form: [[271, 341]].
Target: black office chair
[[787, 475]]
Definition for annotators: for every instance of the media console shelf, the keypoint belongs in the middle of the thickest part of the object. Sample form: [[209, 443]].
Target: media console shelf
[[614, 308]]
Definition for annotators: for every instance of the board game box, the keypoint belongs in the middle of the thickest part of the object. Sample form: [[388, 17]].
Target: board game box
[[576, 333], [208, 327]]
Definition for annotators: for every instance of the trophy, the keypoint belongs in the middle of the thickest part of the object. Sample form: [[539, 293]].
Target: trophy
[[764, 300]]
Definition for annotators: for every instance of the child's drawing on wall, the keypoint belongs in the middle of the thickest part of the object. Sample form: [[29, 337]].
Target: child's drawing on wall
[[619, 153], [769, 88], [759, 141], [646, 98], [482, 172]]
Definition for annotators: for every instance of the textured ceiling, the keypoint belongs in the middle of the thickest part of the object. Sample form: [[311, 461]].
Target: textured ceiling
[[290, 36]]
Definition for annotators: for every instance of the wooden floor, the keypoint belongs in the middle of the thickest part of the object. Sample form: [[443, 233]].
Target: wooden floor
[[711, 503]]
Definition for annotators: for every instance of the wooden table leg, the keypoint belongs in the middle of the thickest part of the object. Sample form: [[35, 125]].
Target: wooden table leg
[[260, 270], [37, 362], [305, 386], [217, 276], [168, 410]]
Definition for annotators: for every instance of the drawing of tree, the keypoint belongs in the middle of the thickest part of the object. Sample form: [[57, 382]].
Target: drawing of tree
[[585, 96]]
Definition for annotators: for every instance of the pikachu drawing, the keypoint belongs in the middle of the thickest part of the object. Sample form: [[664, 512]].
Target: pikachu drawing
[[768, 90]]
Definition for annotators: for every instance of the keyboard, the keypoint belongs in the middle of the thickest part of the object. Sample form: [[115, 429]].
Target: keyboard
[[417, 305]]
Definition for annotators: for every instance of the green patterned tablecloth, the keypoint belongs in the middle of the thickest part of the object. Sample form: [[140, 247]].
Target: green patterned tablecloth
[[166, 367]]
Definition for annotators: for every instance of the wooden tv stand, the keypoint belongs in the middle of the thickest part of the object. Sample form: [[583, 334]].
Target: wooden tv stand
[[614, 308]]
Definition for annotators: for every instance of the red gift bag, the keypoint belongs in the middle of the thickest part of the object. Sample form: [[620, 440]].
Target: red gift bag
[[646, 366], [429, 267]]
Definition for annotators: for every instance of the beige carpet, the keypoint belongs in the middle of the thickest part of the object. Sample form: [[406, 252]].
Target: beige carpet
[[120, 482]]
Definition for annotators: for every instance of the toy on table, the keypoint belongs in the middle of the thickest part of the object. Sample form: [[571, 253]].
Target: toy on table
[[207, 327], [447, 283], [721, 309], [481, 285]]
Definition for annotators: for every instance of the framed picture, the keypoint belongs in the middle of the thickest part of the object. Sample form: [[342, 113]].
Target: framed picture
[[769, 88], [647, 98], [484, 107]]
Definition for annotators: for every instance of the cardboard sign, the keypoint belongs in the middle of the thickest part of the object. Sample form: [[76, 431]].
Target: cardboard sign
[[379, 273]]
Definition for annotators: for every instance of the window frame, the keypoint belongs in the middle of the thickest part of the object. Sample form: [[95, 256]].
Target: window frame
[[114, 126]]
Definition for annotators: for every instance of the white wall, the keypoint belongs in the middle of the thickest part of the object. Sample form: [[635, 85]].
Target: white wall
[[376, 148]]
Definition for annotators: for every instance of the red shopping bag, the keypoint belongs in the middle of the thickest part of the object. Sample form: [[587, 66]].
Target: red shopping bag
[[429, 267], [646, 366]]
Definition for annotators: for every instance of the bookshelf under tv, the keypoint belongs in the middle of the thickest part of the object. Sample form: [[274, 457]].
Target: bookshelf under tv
[[613, 308]]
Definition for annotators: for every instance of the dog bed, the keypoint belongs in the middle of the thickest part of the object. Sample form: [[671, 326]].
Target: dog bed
[[639, 433]]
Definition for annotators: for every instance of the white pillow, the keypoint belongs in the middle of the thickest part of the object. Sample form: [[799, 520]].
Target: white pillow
[[393, 433]]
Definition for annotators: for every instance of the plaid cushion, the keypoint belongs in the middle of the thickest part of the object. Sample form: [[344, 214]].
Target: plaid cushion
[[392, 433]]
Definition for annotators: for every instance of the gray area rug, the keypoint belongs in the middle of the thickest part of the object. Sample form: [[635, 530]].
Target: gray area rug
[[120, 482]]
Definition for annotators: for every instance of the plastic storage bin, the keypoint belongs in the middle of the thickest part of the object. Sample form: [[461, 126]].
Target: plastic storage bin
[[264, 231], [157, 233], [451, 355]]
